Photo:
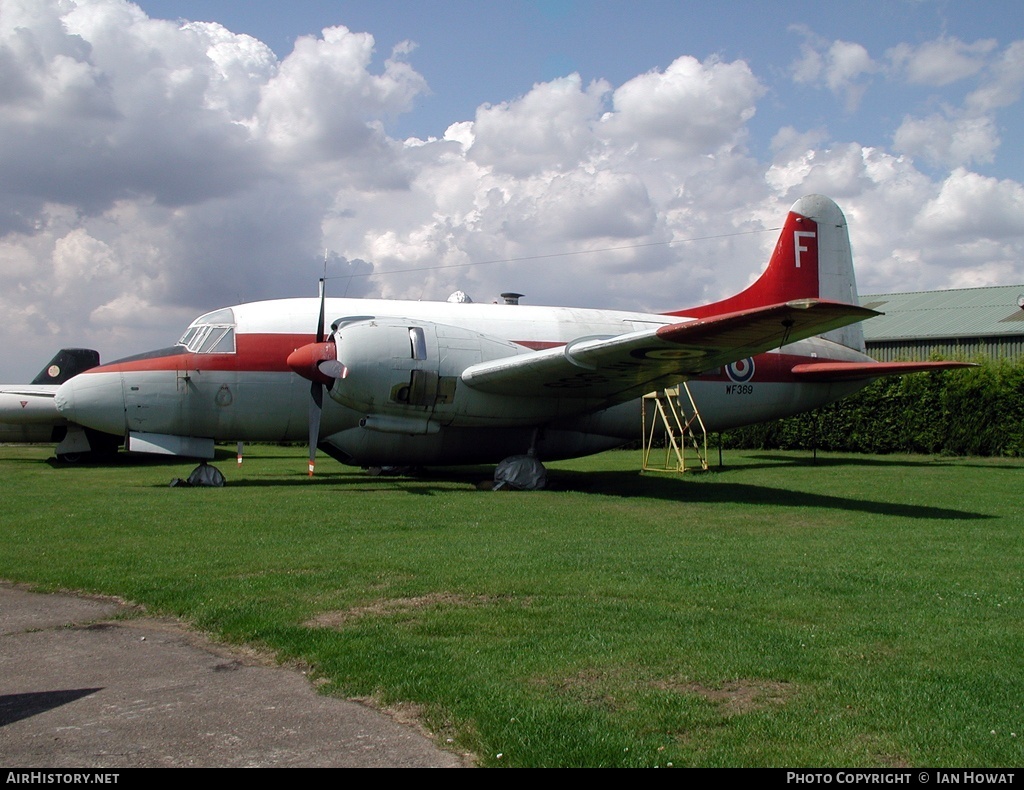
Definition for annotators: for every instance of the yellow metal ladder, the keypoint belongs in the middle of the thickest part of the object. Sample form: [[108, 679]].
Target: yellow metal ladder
[[668, 413]]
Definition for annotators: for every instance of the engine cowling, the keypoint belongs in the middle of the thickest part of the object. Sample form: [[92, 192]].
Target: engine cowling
[[405, 376]]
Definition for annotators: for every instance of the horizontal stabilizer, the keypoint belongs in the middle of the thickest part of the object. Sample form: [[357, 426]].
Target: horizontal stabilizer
[[849, 371]]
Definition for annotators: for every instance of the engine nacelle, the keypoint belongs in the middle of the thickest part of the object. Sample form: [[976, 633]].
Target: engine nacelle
[[408, 371]]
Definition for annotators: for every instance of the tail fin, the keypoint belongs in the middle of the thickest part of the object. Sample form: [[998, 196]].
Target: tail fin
[[66, 363], [812, 260]]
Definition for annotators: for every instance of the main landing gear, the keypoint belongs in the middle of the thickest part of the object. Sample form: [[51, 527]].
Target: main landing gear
[[521, 472]]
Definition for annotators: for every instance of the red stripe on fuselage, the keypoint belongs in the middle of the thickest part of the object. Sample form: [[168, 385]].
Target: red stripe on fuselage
[[261, 352], [255, 352], [269, 353]]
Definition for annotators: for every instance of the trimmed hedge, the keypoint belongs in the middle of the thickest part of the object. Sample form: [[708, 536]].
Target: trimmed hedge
[[973, 411]]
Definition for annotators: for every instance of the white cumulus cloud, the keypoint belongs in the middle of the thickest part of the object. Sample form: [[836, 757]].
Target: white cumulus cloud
[[842, 66], [154, 170], [942, 61]]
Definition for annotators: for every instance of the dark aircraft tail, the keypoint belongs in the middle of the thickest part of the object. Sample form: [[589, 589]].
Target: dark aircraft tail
[[68, 362]]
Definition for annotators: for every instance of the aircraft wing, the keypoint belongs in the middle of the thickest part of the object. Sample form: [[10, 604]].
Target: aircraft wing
[[618, 368], [30, 391], [847, 371]]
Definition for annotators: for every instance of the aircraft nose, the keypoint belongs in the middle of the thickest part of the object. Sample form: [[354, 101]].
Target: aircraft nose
[[95, 400]]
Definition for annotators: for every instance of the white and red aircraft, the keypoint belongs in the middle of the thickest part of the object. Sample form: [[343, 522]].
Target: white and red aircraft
[[437, 383]]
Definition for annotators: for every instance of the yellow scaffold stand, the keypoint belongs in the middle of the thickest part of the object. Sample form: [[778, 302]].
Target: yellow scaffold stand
[[677, 428]]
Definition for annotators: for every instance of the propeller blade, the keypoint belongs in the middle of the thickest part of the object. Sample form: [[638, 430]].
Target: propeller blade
[[316, 387], [316, 405], [320, 322]]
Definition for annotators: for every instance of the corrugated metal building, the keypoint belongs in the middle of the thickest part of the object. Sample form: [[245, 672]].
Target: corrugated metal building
[[956, 324]]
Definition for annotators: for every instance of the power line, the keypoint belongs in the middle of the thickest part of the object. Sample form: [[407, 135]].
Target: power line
[[555, 254]]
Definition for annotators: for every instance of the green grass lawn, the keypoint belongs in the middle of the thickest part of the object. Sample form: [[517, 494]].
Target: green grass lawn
[[857, 611]]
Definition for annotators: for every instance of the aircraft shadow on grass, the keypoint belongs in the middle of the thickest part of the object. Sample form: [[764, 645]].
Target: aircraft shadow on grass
[[925, 462], [447, 482], [709, 491], [135, 461], [769, 461], [628, 484]]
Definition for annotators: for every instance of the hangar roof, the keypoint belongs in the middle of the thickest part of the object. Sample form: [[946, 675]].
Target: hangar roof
[[963, 312]]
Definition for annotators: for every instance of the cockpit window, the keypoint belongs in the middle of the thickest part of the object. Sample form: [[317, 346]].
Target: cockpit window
[[223, 316], [219, 340], [213, 333], [187, 337]]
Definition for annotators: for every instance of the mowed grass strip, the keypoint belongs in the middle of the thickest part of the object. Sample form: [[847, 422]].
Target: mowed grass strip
[[857, 611]]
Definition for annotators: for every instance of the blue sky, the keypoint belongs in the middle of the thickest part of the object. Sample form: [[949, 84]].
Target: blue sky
[[166, 158], [473, 53]]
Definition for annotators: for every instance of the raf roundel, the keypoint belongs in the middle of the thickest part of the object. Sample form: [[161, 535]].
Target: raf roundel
[[741, 371]]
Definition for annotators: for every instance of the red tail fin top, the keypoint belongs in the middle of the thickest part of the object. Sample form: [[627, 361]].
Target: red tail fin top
[[812, 260], [792, 273]]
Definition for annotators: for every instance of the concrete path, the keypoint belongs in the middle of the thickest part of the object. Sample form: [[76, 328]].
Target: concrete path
[[81, 690]]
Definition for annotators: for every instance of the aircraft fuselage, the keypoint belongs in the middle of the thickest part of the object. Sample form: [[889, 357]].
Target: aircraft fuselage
[[402, 401]]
